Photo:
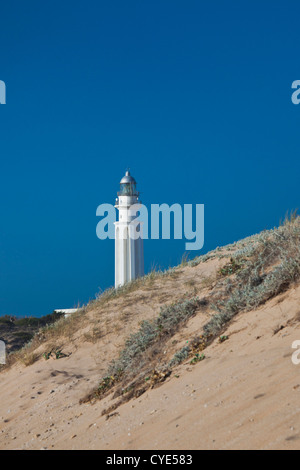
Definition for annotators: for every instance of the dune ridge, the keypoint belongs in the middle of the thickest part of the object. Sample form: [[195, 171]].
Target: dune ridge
[[198, 356]]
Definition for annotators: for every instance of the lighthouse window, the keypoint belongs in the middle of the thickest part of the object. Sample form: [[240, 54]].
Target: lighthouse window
[[128, 189]]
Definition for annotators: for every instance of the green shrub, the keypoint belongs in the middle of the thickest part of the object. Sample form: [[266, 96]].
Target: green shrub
[[273, 264], [165, 324], [180, 356]]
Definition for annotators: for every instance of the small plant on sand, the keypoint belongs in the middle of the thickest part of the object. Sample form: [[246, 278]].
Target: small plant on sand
[[56, 353], [197, 358], [46, 356], [232, 267], [223, 338], [105, 384]]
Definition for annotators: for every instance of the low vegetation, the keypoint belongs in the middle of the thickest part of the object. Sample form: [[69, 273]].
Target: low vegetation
[[268, 265], [145, 347], [260, 267], [254, 270]]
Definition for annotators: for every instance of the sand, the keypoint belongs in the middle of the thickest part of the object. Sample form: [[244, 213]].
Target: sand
[[244, 395]]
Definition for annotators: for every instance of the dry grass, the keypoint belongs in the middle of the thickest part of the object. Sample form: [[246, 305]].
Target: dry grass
[[54, 335], [27, 358], [208, 282], [93, 336], [190, 283]]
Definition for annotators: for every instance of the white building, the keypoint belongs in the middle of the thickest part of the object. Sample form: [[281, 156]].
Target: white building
[[129, 252], [66, 311]]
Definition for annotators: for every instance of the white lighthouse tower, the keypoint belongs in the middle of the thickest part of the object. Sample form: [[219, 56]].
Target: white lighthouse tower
[[129, 251]]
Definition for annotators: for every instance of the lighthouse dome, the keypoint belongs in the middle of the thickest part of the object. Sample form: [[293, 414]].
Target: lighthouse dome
[[127, 178]]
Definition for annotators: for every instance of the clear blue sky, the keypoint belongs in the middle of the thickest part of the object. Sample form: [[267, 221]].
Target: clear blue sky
[[194, 96]]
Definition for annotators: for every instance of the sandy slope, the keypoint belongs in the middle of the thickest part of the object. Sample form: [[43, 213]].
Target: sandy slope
[[245, 394]]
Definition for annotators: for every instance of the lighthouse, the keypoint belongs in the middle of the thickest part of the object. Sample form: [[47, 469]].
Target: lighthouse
[[129, 252]]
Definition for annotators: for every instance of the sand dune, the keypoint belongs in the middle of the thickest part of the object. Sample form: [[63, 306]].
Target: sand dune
[[244, 395]]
